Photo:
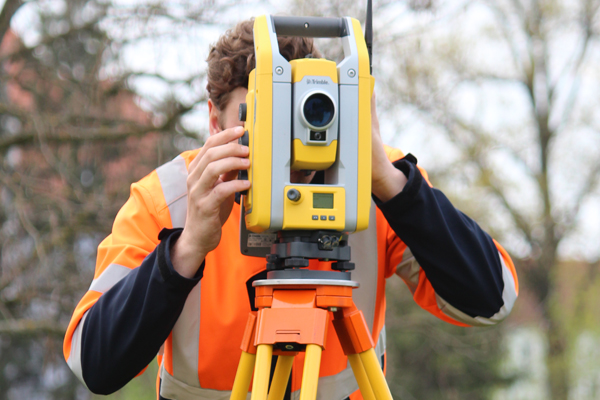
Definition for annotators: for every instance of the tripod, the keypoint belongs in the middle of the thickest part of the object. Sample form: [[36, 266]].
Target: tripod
[[293, 315]]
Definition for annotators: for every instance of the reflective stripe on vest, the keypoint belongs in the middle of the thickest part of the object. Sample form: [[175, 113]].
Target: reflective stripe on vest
[[408, 269], [172, 389], [186, 332], [173, 180], [109, 277], [186, 336], [74, 361]]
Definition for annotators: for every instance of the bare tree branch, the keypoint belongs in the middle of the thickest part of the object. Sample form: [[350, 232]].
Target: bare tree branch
[[508, 34], [451, 123], [31, 327], [102, 134], [25, 221], [590, 185], [185, 81], [9, 9], [574, 89], [5, 311], [23, 50], [487, 174]]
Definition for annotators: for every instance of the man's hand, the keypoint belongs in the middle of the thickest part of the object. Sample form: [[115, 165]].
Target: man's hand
[[387, 181], [211, 185]]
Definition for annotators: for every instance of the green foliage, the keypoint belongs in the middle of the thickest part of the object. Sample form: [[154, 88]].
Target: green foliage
[[431, 359]]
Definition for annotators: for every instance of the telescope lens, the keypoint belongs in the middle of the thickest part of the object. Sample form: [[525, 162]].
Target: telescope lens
[[319, 110]]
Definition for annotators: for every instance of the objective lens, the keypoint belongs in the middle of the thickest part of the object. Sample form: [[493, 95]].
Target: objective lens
[[318, 110]]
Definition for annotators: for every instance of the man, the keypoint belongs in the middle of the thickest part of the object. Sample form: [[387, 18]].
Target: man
[[170, 279]]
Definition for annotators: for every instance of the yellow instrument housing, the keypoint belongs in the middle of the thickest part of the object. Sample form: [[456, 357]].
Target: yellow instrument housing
[[312, 157], [277, 147], [313, 67], [260, 91]]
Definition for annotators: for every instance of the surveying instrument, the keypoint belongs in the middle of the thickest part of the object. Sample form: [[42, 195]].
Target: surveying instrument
[[306, 115]]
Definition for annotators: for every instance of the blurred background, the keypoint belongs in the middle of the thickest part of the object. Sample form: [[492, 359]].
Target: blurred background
[[497, 99]]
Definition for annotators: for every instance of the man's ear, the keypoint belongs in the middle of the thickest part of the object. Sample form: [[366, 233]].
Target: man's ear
[[213, 118]]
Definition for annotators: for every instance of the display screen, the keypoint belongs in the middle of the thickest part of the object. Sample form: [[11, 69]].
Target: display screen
[[323, 200]]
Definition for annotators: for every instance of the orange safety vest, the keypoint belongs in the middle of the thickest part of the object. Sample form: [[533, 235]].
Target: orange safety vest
[[201, 354]]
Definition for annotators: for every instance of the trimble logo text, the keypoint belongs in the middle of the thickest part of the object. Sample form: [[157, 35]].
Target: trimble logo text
[[312, 81]]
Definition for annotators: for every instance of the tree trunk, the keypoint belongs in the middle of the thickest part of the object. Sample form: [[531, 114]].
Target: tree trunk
[[540, 276], [558, 360]]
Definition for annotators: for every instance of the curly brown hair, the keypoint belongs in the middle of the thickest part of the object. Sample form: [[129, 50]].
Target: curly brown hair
[[231, 59]]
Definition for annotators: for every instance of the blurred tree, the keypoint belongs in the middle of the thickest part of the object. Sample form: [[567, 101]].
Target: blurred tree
[[504, 94], [431, 359], [73, 136]]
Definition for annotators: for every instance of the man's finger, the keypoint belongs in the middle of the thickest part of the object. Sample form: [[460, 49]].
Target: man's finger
[[223, 190], [217, 153], [219, 139], [216, 169]]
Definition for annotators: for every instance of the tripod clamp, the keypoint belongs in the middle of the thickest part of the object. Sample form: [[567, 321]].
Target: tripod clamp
[[294, 249]]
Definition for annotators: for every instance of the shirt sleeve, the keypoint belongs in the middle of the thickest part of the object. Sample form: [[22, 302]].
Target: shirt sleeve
[[133, 302], [454, 269]]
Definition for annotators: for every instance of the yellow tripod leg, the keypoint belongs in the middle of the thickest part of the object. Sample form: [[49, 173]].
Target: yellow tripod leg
[[281, 377], [375, 374], [243, 376], [310, 373], [260, 384], [361, 377]]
